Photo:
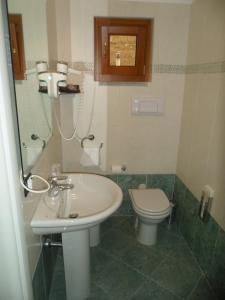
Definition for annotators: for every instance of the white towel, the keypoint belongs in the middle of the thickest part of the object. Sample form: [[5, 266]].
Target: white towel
[[90, 156]]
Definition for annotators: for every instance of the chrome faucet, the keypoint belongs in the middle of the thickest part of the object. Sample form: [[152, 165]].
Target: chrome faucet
[[56, 187]]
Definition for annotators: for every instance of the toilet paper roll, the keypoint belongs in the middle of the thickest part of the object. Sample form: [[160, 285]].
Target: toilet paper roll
[[118, 169]]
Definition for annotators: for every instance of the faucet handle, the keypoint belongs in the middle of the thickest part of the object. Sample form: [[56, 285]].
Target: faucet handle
[[57, 178]]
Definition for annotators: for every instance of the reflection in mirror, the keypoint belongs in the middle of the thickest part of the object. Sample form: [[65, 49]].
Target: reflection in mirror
[[34, 109], [122, 50]]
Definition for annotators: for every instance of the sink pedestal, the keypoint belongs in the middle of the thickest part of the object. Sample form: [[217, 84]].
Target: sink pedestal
[[96, 198], [94, 234], [76, 254]]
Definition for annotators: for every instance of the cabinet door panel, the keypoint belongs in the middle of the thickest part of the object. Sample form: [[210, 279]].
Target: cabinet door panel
[[15, 49], [122, 49], [17, 46]]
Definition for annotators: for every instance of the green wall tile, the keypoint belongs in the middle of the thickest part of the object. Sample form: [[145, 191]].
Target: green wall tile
[[110, 223], [179, 200], [189, 212], [179, 191], [112, 177], [130, 182], [164, 182], [125, 209], [126, 182]]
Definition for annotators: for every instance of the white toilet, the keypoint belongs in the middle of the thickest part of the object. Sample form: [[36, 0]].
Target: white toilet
[[152, 207]]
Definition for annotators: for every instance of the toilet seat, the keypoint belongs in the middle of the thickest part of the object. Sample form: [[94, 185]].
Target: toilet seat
[[149, 213], [152, 202]]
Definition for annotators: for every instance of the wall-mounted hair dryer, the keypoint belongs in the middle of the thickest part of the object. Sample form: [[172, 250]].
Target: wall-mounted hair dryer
[[52, 79]]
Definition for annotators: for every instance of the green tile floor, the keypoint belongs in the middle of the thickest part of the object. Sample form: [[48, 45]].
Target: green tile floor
[[121, 268]]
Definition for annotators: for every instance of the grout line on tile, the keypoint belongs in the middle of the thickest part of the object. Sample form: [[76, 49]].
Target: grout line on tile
[[195, 287], [158, 266], [211, 262], [210, 286], [137, 290], [166, 289], [194, 257], [120, 260], [216, 241], [102, 288]]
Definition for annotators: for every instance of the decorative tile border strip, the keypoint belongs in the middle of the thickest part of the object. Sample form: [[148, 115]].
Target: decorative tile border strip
[[168, 69], [204, 68], [217, 67], [82, 66]]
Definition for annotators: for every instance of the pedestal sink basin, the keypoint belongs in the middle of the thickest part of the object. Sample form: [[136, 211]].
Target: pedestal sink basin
[[73, 213]]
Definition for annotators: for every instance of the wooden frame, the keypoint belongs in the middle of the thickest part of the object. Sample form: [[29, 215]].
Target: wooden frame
[[17, 46], [142, 29]]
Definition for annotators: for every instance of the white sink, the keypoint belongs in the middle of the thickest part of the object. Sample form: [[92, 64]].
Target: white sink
[[93, 199]]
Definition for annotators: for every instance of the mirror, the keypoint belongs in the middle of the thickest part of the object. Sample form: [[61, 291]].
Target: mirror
[[122, 50], [34, 108]]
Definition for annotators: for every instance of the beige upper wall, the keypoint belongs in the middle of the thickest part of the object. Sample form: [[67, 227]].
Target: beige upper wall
[[82, 29], [63, 27], [80, 17], [149, 144], [52, 33], [171, 22], [201, 157], [206, 41], [144, 144]]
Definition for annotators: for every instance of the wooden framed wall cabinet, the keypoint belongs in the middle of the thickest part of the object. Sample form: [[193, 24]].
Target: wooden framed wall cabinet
[[123, 49], [17, 46]]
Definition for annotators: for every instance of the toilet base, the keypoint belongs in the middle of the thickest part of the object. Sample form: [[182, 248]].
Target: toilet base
[[147, 233]]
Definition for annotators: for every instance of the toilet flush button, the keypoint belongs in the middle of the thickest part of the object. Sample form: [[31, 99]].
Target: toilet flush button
[[147, 105]]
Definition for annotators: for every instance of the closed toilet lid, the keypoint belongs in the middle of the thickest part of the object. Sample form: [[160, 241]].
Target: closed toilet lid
[[150, 200]]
